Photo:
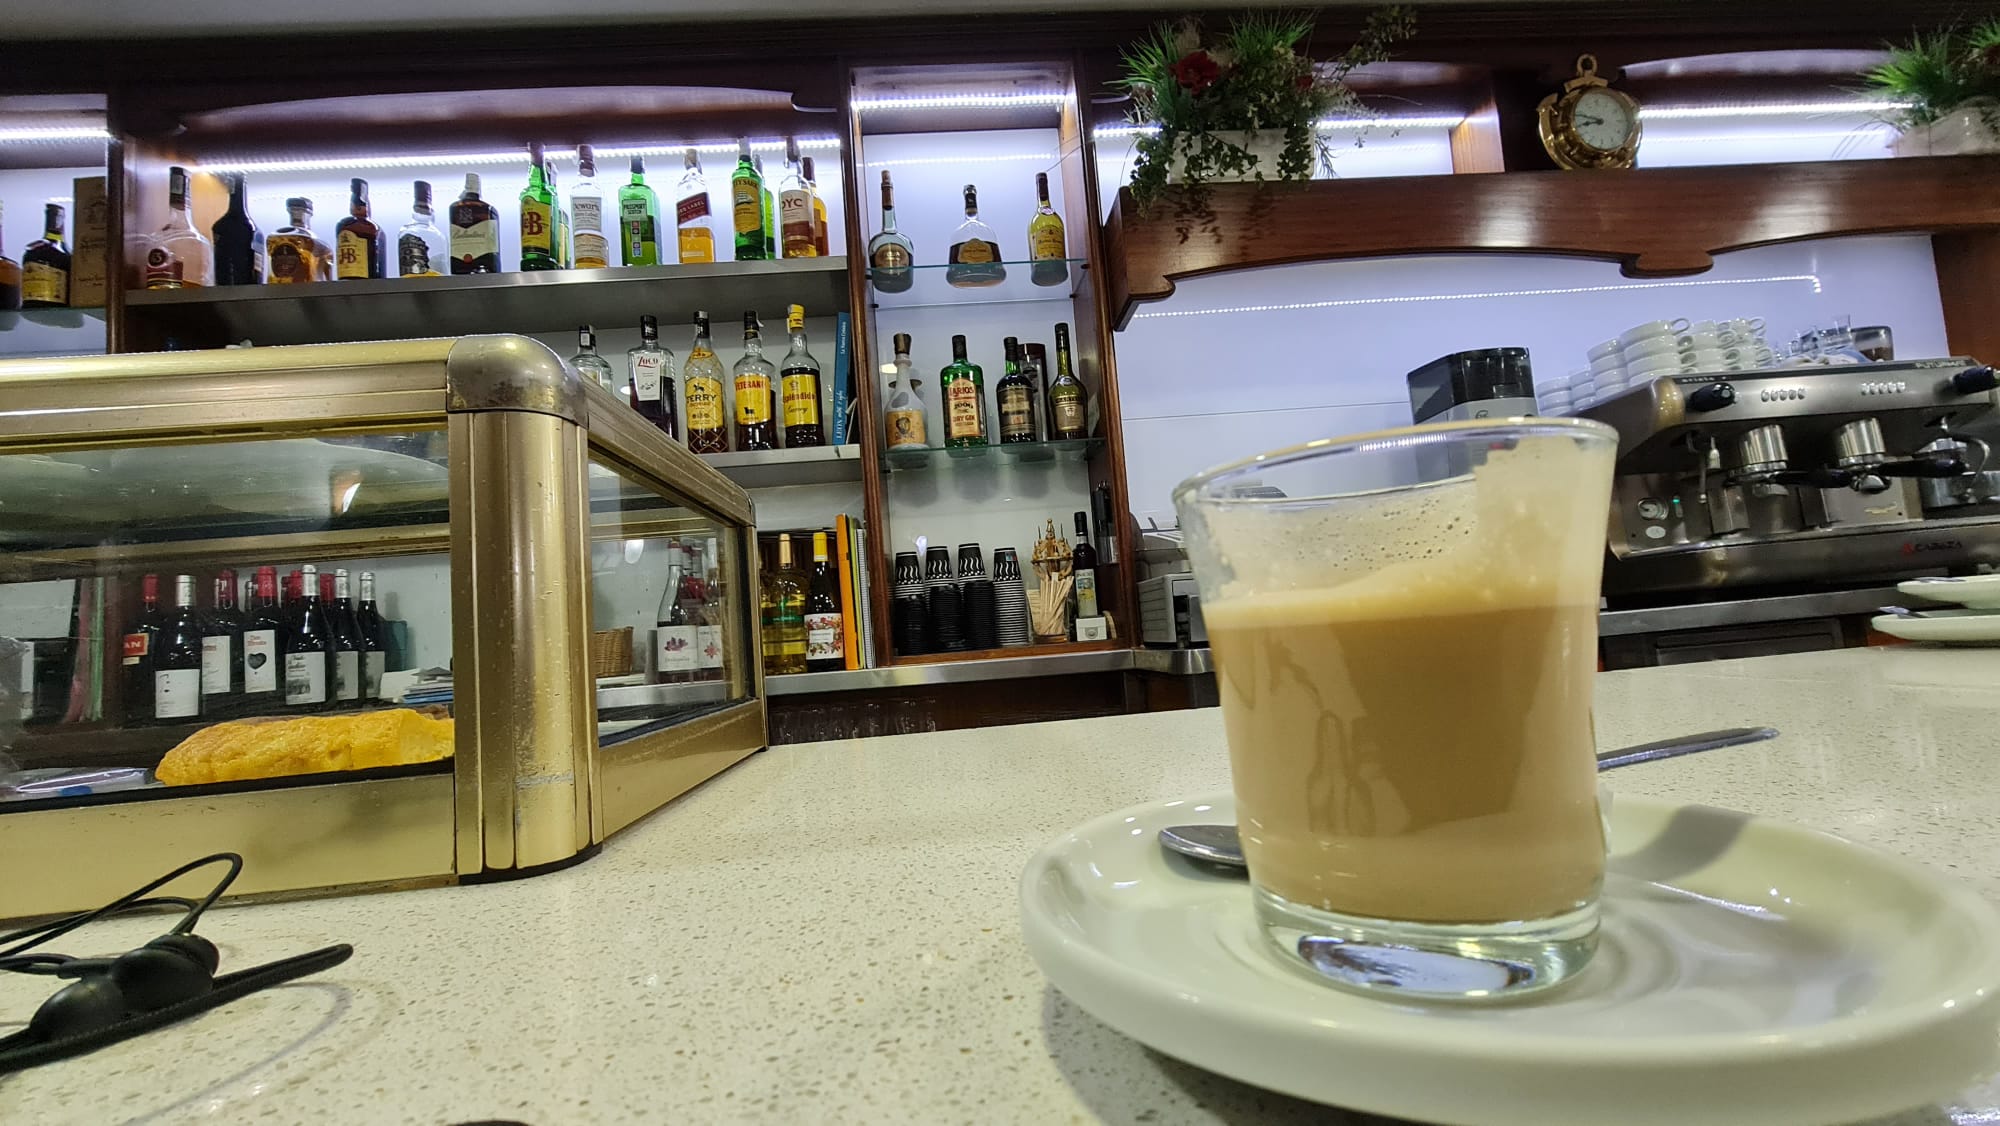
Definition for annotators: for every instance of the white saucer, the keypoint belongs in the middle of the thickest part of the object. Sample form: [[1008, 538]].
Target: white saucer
[[1751, 973], [1957, 627], [1978, 591]]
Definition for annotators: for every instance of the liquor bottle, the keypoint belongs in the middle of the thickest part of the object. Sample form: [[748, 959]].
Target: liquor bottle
[[374, 640], [1069, 415], [10, 280], [754, 378], [770, 211], [136, 661], [798, 387], [1048, 248], [1035, 365], [264, 637], [177, 658], [746, 206], [45, 265], [638, 220], [825, 650], [691, 212], [964, 390], [420, 246], [891, 252], [297, 255], [676, 657], [819, 210], [590, 249], [1083, 572], [903, 409], [538, 215], [359, 248], [1015, 395], [346, 635], [651, 368], [975, 259], [707, 406], [179, 257], [222, 646], [308, 648], [795, 207], [784, 615], [474, 231], [589, 364], [558, 215], [710, 633], [239, 245]]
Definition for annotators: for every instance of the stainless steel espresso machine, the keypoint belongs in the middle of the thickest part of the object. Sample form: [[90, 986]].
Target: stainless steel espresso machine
[[1788, 480]]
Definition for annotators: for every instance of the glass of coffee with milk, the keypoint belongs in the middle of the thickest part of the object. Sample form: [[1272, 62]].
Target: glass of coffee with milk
[[1404, 626]]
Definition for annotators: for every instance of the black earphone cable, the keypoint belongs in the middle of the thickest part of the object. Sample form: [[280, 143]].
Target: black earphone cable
[[132, 900]]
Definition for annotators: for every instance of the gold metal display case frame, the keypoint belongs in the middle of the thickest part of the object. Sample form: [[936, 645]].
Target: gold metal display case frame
[[529, 788]]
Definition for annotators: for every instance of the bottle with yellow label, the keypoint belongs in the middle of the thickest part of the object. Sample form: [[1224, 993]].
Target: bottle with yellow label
[[697, 237], [755, 380], [538, 217], [707, 416], [1048, 246], [746, 206], [358, 244], [798, 387], [964, 390], [975, 260]]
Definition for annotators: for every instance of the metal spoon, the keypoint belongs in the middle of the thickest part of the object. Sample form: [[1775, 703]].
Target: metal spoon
[[1218, 844]]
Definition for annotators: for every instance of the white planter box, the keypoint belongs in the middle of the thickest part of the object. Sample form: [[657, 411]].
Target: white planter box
[[1963, 130]]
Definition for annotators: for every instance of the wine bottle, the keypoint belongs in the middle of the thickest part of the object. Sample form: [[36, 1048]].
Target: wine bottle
[[222, 647], [136, 662], [1083, 570], [825, 651], [177, 658], [346, 638], [263, 643], [675, 624], [308, 647], [374, 640]]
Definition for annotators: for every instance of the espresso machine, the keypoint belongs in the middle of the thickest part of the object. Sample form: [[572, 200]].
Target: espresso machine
[[1800, 477]]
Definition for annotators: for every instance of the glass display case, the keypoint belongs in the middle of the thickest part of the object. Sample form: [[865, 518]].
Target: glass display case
[[370, 614]]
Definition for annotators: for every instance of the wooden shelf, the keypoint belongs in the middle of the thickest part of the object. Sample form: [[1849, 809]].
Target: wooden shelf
[[1657, 222]]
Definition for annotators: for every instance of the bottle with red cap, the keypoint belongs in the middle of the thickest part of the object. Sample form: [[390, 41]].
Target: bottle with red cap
[[136, 660], [264, 635]]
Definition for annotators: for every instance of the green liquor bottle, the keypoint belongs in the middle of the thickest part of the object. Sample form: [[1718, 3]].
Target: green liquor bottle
[[538, 217], [964, 390], [746, 206], [638, 220]]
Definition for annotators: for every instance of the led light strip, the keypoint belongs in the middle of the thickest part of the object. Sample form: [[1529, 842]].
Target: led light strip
[[1356, 302], [920, 160], [961, 101], [1873, 131], [1765, 109], [517, 157], [54, 133], [1325, 125]]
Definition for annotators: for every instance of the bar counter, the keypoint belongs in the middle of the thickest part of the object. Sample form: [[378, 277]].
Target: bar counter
[[829, 932]]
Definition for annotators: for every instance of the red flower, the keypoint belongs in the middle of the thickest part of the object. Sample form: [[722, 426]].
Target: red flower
[[1196, 72], [1305, 81]]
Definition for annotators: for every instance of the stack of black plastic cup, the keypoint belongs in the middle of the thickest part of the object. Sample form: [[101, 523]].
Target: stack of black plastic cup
[[980, 624], [943, 606], [906, 612], [1011, 611]]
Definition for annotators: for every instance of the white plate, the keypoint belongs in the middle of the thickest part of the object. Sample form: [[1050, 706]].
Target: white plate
[[1751, 973], [1956, 627], [1979, 591]]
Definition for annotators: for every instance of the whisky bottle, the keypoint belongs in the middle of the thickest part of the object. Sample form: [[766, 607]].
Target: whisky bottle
[[783, 614], [798, 387], [651, 367], [964, 391], [746, 206], [707, 410], [558, 215], [691, 215], [358, 245], [239, 245], [1035, 368], [180, 257], [297, 255], [903, 410], [1016, 397], [975, 252], [1069, 415], [45, 265], [819, 210], [538, 215], [10, 280], [1047, 246], [589, 364], [475, 232], [795, 207], [589, 248], [890, 252], [755, 380], [770, 211], [420, 247], [638, 220]]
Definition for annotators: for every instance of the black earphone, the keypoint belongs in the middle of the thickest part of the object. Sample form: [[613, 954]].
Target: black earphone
[[169, 979]]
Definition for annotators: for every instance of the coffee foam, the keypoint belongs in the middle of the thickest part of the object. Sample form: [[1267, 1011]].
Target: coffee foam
[[1525, 528]]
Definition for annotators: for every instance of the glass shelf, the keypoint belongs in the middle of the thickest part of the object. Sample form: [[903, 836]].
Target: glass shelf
[[42, 332], [766, 469], [929, 289], [930, 458]]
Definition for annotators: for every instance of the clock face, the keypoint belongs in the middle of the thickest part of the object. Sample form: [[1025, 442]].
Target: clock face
[[1602, 121]]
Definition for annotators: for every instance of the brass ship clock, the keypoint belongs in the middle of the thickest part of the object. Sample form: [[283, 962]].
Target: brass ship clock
[[1590, 125]]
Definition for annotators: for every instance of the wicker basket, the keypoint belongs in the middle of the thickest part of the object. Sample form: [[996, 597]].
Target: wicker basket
[[611, 652]]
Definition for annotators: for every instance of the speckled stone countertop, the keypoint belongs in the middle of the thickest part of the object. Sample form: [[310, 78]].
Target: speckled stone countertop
[[828, 932]]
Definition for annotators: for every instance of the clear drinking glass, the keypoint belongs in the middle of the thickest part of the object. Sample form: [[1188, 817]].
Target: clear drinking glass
[[1405, 629]]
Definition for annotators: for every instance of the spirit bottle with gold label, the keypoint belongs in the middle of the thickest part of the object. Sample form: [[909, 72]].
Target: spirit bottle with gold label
[[358, 245], [964, 390], [755, 381], [707, 409], [798, 387], [975, 251], [297, 255], [891, 252], [1048, 247], [538, 216]]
